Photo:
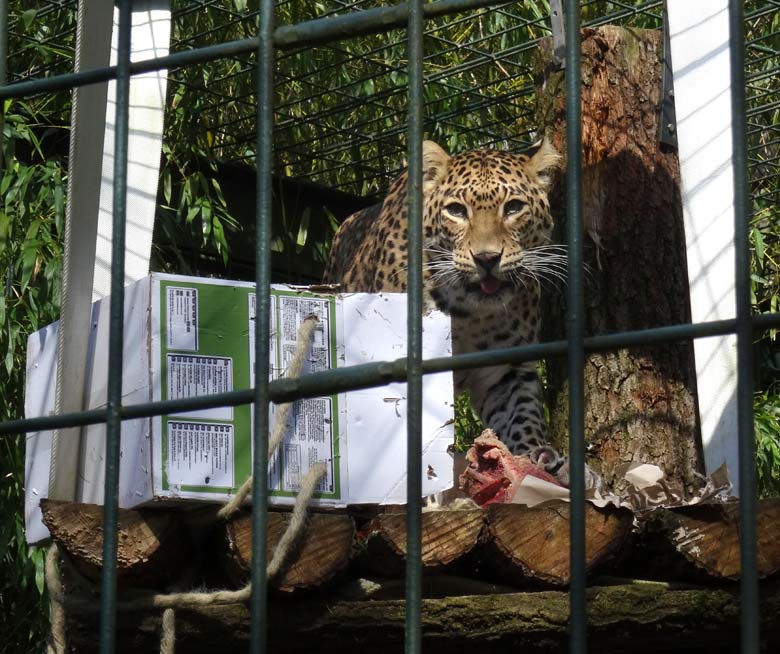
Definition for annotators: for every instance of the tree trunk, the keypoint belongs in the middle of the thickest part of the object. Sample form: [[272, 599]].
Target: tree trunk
[[640, 402]]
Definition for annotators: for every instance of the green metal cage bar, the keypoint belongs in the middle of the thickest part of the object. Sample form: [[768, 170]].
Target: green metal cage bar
[[745, 429], [265, 122], [575, 331], [285, 37], [385, 372], [414, 334], [411, 368], [108, 583]]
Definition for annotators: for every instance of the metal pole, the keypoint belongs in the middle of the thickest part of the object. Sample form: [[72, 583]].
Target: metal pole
[[116, 336], [265, 125], [3, 76], [414, 335], [744, 330], [576, 332]]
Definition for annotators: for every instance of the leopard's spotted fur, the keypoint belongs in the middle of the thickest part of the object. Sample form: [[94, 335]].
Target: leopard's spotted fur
[[487, 224]]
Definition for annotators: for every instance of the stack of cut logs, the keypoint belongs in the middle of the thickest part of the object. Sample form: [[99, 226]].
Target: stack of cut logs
[[344, 559], [519, 545]]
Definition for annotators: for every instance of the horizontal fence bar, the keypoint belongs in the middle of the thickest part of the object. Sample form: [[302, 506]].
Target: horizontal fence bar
[[369, 375], [287, 37], [366, 21]]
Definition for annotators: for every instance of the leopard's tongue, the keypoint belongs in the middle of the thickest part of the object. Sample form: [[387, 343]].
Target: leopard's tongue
[[490, 285]]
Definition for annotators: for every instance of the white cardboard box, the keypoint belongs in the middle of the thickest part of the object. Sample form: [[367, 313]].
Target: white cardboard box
[[189, 336]]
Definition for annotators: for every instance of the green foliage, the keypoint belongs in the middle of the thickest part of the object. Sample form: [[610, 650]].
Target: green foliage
[[767, 417], [763, 95], [467, 423], [31, 222], [24, 625], [192, 194]]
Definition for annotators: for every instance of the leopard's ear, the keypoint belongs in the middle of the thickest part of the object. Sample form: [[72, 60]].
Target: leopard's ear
[[435, 162], [543, 160]]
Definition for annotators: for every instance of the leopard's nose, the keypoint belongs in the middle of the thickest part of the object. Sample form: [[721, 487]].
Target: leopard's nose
[[487, 260]]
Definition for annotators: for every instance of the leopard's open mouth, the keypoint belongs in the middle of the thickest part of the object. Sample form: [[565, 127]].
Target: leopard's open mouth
[[490, 285], [487, 286]]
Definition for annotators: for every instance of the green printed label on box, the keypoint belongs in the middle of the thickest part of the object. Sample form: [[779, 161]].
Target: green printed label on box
[[207, 346]]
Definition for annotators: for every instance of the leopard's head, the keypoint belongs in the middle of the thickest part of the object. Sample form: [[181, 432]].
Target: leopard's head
[[488, 221]]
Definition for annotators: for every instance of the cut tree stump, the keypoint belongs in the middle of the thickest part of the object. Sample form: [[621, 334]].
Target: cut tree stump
[[321, 553], [447, 536], [532, 544], [153, 545], [702, 541], [639, 401]]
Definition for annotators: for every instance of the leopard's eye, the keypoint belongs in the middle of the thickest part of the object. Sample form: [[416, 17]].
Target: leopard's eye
[[457, 210], [513, 207]]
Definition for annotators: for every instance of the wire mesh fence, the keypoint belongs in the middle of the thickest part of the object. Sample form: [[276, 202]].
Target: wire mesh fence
[[476, 68]]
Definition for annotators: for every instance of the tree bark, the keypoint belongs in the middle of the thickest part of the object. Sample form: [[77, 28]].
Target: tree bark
[[640, 402]]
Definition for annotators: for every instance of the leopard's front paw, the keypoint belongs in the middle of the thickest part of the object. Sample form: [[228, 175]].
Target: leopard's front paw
[[548, 458], [592, 478]]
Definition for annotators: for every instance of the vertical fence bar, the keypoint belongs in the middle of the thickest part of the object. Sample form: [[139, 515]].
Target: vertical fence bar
[[265, 125], [3, 82], [414, 335], [576, 332], [747, 448], [116, 336]]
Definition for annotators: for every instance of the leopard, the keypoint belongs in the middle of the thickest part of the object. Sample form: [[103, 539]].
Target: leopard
[[487, 249]]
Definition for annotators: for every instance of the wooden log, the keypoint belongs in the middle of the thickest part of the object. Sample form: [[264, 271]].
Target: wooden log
[[532, 544], [447, 537], [321, 553], [640, 618], [702, 541], [153, 546], [639, 401]]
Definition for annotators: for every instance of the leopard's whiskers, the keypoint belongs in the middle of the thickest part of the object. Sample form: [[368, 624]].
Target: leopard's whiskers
[[545, 264]]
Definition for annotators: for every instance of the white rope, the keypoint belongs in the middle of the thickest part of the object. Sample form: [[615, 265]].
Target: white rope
[[169, 602], [305, 330]]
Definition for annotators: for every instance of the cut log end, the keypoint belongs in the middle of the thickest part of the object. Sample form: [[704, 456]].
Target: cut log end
[[532, 544], [322, 551], [152, 550]]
